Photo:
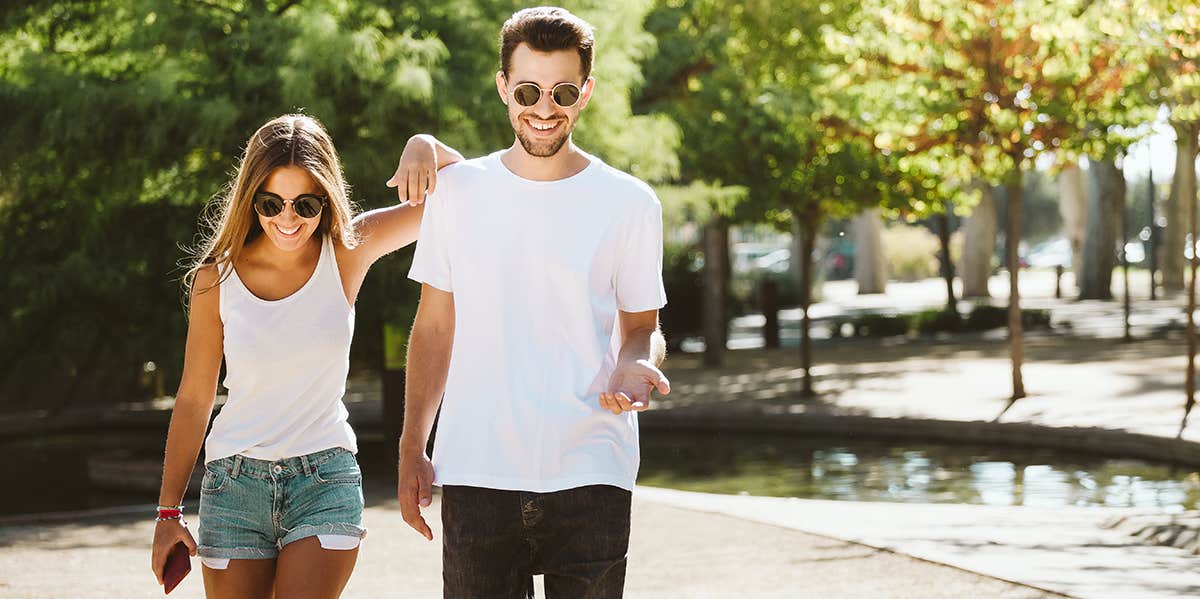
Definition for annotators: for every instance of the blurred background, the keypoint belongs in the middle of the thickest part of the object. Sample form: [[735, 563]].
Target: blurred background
[[921, 252]]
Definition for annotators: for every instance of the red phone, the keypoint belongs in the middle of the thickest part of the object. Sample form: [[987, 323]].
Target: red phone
[[179, 563]]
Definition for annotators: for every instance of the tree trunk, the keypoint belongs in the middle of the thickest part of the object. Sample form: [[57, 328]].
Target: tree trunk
[[1012, 241], [716, 253], [1072, 207], [1183, 192], [1186, 134], [808, 237], [947, 266], [1104, 206], [870, 265], [979, 244]]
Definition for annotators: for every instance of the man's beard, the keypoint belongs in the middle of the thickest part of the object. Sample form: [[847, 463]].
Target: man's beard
[[542, 148]]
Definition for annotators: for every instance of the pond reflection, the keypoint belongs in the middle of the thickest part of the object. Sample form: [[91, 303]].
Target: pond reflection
[[837, 468]]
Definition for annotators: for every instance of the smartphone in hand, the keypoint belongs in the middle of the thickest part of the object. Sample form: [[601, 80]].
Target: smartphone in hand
[[179, 563]]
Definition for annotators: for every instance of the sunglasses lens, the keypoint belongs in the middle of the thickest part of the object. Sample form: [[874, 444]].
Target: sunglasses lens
[[268, 205], [307, 206], [527, 94], [565, 95]]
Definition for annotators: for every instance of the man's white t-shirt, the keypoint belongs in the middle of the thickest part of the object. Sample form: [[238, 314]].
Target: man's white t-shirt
[[538, 270]]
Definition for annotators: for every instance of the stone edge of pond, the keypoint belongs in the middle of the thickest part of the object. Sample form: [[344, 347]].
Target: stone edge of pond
[[1101, 442]]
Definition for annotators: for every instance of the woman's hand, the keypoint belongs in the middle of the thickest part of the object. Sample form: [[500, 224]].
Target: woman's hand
[[416, 175], [166, 534]]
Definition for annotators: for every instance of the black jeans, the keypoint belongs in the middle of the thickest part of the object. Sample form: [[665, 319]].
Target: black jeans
[[495, 541]]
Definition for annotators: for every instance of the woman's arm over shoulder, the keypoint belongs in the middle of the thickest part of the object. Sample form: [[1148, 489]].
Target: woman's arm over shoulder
[[416, 174]]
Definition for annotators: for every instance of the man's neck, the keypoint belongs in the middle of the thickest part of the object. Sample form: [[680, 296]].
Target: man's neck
[[567, 162]]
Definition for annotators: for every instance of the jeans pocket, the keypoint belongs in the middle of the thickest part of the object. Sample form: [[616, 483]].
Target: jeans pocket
[[215, 479], [341, 470]]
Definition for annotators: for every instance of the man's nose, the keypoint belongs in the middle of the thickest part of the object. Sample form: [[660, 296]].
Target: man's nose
[[545, 106]]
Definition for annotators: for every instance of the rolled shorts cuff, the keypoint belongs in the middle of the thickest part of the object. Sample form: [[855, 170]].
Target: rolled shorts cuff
[[237, 552], [312, 530]]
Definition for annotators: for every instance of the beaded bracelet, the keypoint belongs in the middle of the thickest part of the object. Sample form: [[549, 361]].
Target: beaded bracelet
[[174, 512]]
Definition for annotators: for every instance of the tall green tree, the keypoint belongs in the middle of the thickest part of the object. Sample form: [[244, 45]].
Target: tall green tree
[[986, 78]]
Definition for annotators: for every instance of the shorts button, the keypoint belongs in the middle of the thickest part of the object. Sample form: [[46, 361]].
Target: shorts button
[[278, 469]]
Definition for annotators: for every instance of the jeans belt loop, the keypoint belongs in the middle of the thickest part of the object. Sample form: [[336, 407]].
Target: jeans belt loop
[[237, 466], [308, 470]]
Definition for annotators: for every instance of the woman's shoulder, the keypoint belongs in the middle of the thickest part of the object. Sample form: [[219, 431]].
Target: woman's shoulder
[[207, 278]]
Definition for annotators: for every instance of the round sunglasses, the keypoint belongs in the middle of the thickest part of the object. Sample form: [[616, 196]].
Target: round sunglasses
[[306, 205], [528, 94]]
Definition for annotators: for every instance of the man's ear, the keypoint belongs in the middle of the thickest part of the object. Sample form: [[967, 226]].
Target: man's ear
[[502, 87], [585, 94]]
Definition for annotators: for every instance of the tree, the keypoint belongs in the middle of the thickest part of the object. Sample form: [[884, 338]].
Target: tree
[[983, 77], [126, 117]]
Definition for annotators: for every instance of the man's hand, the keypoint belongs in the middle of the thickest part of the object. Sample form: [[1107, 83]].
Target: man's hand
[[416, 175], [630, 386], [415, 490]]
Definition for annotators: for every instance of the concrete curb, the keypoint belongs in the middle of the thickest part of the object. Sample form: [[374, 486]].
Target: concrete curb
[[1102, 442], [1113, 443]]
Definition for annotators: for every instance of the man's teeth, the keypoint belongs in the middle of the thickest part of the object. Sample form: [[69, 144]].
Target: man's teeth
[[291, 231], [544, 126]]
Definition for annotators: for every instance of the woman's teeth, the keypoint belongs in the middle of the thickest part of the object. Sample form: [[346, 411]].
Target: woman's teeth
[[288, 232]]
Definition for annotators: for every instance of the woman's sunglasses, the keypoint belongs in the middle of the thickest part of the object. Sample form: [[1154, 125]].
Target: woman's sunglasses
[[306, 205], [528, 94]]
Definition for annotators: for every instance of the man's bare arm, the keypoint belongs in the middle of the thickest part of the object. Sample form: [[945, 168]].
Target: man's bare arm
[[643, 350], [429, 350]]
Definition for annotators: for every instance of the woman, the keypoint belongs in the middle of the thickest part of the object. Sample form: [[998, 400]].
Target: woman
[[273, 291]]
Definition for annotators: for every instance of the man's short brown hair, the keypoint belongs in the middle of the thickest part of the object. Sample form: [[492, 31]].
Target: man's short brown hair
[[546, 29]]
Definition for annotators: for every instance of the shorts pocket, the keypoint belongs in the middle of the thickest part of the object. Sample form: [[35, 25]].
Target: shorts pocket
[[342, 470], [215, 480]]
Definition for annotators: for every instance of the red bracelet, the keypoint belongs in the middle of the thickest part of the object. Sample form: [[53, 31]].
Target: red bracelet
[[169, 514]]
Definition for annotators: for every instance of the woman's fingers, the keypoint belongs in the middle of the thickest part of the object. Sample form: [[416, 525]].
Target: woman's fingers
[[422, 181], [432, 179]]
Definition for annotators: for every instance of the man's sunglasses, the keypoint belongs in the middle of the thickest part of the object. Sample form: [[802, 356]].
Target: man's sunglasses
[[528, 94], [306, 205]]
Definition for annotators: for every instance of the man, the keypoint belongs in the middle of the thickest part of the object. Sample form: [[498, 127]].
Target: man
[[541, 284]]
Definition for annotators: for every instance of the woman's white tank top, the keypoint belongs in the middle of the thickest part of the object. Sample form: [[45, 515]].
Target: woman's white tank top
[[286, 363]]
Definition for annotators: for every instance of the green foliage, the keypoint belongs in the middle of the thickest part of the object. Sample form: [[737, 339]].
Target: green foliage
[[872, 325], [932, 322], [681, 317], [912, 252], [124, 117], [982, 317]]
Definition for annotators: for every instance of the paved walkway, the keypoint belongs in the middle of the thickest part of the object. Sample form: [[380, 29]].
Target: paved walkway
[[1074, 551], [1086, 391], [675, 553]]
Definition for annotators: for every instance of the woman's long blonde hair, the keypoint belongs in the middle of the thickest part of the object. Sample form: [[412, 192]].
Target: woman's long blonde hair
[[231, 223]]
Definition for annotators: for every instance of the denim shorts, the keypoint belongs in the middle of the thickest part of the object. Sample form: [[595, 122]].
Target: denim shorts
[[250, 509]]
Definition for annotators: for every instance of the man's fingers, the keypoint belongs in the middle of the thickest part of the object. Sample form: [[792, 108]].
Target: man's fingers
[[412, 493], [609, 403], [623, 401], [422, 527], [424, 490], [432, 180], [663, 385]]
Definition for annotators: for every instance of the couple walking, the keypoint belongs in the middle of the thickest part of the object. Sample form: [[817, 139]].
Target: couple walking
[[536, 335]]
